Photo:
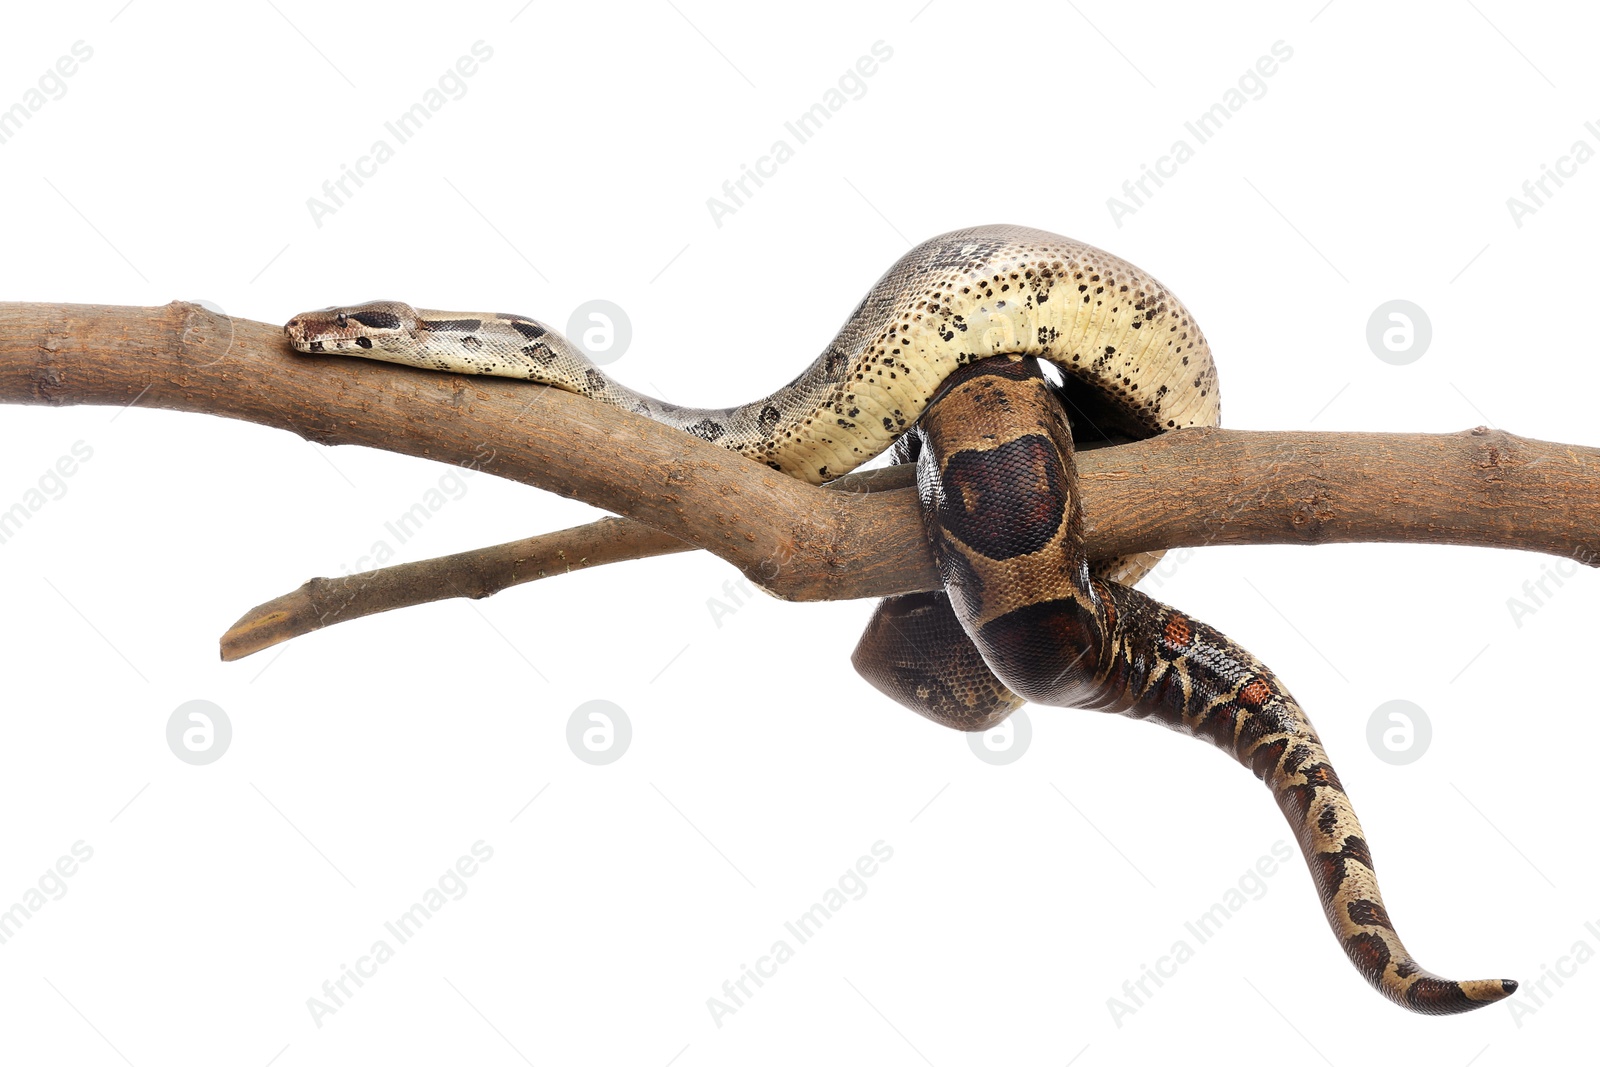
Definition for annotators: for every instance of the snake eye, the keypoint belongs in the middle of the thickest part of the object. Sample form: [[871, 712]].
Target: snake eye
[[341, 321]]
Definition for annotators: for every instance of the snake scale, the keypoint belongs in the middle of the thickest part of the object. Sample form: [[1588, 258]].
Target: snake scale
[[944, 363]]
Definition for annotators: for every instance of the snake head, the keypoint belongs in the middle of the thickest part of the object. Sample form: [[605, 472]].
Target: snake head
[[378, 324]]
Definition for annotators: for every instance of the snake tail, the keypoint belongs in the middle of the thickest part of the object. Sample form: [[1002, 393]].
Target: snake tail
[[1000, 500], [1158, 663]]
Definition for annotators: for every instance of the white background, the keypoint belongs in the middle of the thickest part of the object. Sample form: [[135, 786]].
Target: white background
[[577, 165]]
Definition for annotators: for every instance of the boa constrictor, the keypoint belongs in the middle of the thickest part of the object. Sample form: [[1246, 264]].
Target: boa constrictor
[[943, 362]]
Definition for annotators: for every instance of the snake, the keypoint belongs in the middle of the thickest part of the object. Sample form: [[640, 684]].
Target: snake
[[987, 356]]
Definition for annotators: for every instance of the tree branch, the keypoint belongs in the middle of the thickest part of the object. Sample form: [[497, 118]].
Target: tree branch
[[1192, 487], [478, 573]]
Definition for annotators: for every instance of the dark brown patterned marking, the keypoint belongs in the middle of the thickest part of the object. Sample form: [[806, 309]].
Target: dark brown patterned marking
[[1369, 953], [1436, 996], [1297, 799], [1330, 866], [1328, 821], [1368, 913], [1218, 726], [707, 429], [1266, 757], [1042, 650], [1005, 502], [1257, 726]]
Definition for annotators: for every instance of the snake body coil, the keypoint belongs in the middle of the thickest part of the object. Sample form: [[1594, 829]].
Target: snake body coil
[[942, 361]]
